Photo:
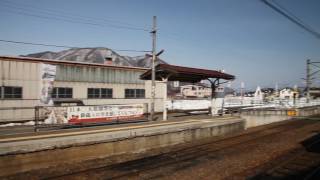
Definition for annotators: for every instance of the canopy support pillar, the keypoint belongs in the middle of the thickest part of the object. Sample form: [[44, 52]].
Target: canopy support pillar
[[165, 97], [216, 99]]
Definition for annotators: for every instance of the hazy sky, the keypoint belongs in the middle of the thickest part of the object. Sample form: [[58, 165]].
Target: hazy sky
[[244, 37]]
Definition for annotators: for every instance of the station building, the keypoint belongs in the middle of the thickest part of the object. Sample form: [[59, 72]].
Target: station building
[[88, 83]]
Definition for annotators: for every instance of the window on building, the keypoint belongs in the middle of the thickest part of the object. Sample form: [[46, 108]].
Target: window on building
[[140, 93], [134, 93], [60, 92], [8, 92], [99, 93], [93, 93], [129, 93], [106, 93]]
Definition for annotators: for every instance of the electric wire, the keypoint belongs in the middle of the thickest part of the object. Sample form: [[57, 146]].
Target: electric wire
[[67, 17], [291, 14], [63, 46], [51, 14], [292, 18], [58, 15]]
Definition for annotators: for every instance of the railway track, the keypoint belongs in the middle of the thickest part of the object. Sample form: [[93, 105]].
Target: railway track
[[187, 157], [300, 163], [315, 174]]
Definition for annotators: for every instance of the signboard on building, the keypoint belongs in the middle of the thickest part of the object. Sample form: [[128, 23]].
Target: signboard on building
[[219, 92], [103, 113], [48, 74], [176, 84]]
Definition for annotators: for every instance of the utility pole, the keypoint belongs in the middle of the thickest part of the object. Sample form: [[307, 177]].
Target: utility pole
[[311, 75], [308, 80], [242, 91], [153, 75]]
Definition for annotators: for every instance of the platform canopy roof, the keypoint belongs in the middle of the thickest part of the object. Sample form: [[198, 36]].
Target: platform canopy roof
[[184, 74]]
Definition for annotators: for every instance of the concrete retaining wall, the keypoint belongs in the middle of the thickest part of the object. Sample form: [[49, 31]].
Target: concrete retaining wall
[[260, 117], [308, 111], [112, 147]]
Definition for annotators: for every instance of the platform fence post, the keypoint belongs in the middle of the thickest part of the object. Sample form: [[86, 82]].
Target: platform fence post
[[36, 118]]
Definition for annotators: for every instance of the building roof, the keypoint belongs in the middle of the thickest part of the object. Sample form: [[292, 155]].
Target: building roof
[[184, 74], [74, 63], [197, 84]]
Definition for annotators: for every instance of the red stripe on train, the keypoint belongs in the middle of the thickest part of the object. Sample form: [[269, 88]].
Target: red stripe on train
[[104, 119]]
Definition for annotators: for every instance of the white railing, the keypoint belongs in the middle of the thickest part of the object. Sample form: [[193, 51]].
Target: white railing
[[246, 102]]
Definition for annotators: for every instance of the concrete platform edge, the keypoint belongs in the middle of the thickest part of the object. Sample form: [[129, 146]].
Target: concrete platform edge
[[90, 139]]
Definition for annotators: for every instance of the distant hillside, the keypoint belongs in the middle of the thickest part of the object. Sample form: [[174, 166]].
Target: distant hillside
[[96, 55]]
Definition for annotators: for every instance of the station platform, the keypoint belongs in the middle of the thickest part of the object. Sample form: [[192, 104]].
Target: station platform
[[30, 152]]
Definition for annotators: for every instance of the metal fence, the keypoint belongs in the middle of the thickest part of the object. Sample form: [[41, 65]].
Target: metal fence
[[52, 116], [20, 115], [241, 103]]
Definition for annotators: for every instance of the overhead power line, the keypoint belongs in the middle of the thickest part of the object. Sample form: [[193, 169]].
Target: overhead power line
[[291, 14], [61, 12], [284, 12], [71, 20], [27, 10], [62, 46]]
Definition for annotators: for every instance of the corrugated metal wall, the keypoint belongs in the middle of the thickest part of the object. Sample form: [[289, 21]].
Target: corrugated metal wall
[[97, 75], [26, 75], [14, 70], [22, 74]]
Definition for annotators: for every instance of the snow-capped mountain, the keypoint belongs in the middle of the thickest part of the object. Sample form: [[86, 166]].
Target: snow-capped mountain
[[96, 55]]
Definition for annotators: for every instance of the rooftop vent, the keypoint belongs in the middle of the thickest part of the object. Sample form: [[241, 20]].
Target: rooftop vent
[[108, 60]]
